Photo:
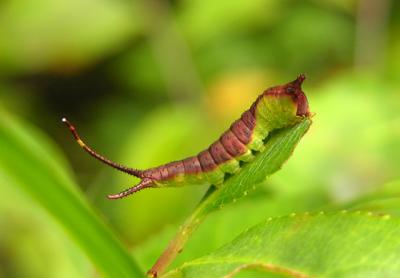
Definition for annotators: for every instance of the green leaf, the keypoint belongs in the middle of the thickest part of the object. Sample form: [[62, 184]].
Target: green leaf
[[223, 226], [28, 160], [335, 245]]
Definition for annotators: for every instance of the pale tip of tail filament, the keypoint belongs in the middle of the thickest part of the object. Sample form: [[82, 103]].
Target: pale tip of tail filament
[[113, 196]]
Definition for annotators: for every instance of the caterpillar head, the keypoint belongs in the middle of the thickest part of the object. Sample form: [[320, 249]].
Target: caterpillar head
[[292, 91]]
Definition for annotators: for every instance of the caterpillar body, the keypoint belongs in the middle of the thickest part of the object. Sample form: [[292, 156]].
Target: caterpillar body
[[276, 108]]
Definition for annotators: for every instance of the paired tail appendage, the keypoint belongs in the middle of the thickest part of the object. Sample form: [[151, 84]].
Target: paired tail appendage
[[145, 183]]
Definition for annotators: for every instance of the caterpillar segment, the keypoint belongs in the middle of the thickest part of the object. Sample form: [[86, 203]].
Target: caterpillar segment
[[276, 108]]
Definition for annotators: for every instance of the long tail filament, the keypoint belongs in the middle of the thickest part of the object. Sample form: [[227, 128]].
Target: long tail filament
[[130, 171]]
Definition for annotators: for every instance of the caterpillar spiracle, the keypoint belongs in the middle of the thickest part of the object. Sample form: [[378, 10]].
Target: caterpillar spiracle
[[277, 107]]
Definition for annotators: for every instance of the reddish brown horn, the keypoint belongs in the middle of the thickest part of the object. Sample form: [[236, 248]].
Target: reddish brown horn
[[131, 171]]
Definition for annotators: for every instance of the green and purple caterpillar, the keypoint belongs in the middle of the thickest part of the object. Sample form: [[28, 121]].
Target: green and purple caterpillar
[[277, 107]]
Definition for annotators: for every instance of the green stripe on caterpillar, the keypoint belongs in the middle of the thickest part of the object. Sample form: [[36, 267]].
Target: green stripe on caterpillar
[[277, 107]]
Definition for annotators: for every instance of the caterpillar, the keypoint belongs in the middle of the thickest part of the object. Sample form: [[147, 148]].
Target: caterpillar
[[277, 107]]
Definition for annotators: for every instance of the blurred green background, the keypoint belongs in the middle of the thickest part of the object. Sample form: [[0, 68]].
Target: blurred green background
[[146, 82]]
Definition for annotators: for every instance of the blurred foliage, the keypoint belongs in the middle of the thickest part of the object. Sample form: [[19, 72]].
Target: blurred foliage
[[60, 35], [147, 82], [35, 168]]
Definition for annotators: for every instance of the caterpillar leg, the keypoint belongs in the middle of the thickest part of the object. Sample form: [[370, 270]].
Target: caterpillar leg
[[145, 183], [130, 171]]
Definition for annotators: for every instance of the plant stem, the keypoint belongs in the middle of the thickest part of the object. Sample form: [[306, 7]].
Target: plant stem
[[176, 245]]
